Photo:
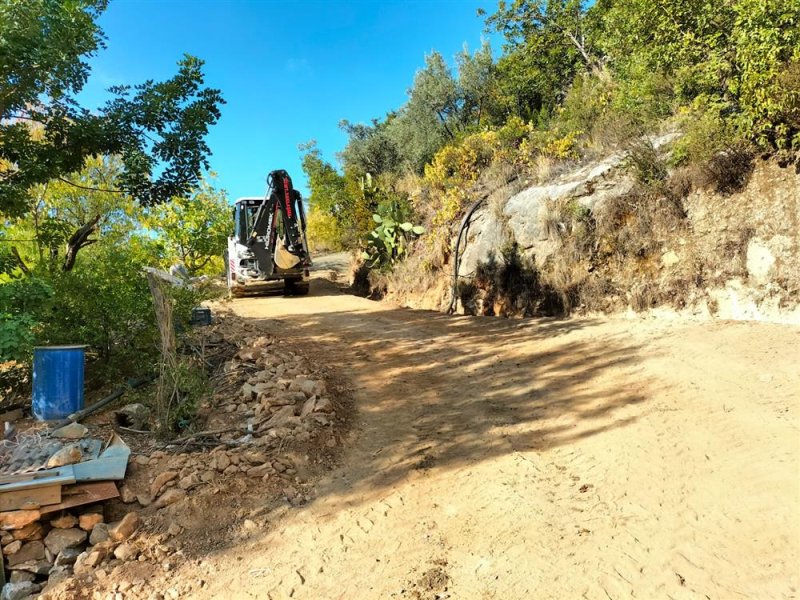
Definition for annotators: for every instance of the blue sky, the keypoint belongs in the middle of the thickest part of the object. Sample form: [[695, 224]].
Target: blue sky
[[289, 71]]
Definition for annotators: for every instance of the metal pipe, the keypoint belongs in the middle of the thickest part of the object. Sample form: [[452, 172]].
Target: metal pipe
[[457, 259], [132, 384]]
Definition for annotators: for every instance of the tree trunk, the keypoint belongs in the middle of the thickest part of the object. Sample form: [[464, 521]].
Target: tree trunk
[[79, 239], [23, 267]]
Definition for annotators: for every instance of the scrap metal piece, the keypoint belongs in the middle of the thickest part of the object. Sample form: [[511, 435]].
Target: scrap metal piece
[[111, 464]]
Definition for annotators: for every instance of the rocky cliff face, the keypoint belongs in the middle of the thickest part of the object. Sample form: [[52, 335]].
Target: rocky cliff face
[[737, 254], [524, 217], [592, 235]]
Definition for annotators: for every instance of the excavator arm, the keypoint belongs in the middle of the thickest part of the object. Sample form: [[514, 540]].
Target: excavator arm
[[282, 209]]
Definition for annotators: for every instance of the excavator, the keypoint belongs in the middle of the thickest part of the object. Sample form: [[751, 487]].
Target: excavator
[[269, 242]]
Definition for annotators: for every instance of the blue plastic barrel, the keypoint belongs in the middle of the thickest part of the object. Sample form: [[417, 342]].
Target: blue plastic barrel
[[57, 381]]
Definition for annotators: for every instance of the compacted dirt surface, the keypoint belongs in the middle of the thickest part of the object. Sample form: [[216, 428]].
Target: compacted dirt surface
[[492, 458]]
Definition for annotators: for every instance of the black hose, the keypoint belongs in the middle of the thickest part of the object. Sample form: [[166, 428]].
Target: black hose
[[131, 384], [457, 255]]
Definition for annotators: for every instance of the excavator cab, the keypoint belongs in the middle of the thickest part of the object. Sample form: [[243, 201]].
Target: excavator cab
[[269, 242]]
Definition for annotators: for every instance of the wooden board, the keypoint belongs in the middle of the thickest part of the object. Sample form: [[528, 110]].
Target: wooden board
[[83, 493], [31, 498]]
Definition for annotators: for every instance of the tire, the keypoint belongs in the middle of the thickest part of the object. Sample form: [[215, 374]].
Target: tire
[[293, 287]]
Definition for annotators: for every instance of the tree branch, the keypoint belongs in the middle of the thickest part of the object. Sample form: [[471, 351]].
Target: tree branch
[[79, 239], [91, 189], [589, 60], [444, 122], [23, 267]]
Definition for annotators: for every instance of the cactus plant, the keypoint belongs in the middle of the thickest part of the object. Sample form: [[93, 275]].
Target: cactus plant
[[389, 241]]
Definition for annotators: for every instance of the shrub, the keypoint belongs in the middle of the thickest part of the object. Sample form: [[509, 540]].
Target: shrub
[[720, 157], [103, 303], [323, 231], [25, 308], [643, 161]]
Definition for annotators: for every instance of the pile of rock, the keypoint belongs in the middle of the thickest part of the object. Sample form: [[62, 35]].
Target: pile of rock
[[40, 553], [280, 399]]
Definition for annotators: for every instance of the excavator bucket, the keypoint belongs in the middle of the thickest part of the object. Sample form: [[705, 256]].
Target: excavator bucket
[[285, 259]]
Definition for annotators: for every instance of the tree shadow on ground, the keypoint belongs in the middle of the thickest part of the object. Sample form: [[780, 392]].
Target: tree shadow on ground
[[437, 392]]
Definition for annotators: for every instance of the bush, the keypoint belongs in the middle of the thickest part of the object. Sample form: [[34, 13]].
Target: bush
[[643, 161], [25, 305], [721, 158], [103, 303], [323, 231]]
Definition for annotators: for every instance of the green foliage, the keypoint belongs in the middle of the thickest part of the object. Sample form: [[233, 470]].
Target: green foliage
[[371, 148], [643, 161], [44, 49], [105, 303], [60, 209], [547, 43], [157, 129], [16, 337], [23, 305], [323, 231], [194, 229], [442, 106], [189, 385], [328, 188], [390, 240], [337, 202], [726, 55], [706, 132]]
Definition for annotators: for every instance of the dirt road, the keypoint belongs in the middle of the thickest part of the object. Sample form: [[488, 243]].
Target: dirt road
[[539, 459]]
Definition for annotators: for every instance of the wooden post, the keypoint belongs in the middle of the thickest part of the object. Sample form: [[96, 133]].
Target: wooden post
[[167, 389]]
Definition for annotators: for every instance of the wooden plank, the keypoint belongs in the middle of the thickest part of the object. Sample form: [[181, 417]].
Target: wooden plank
[[83, 493], [31, 498]]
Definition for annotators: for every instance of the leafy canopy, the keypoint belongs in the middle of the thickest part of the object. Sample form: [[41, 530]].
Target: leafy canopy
[[157, 129], [194, 228]]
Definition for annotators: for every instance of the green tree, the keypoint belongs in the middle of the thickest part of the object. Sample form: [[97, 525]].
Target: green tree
[[371, 148], [335, 195], [477, 86], [157, 129], [327, 187], [195, 228], [547, 43], [66, 216]]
